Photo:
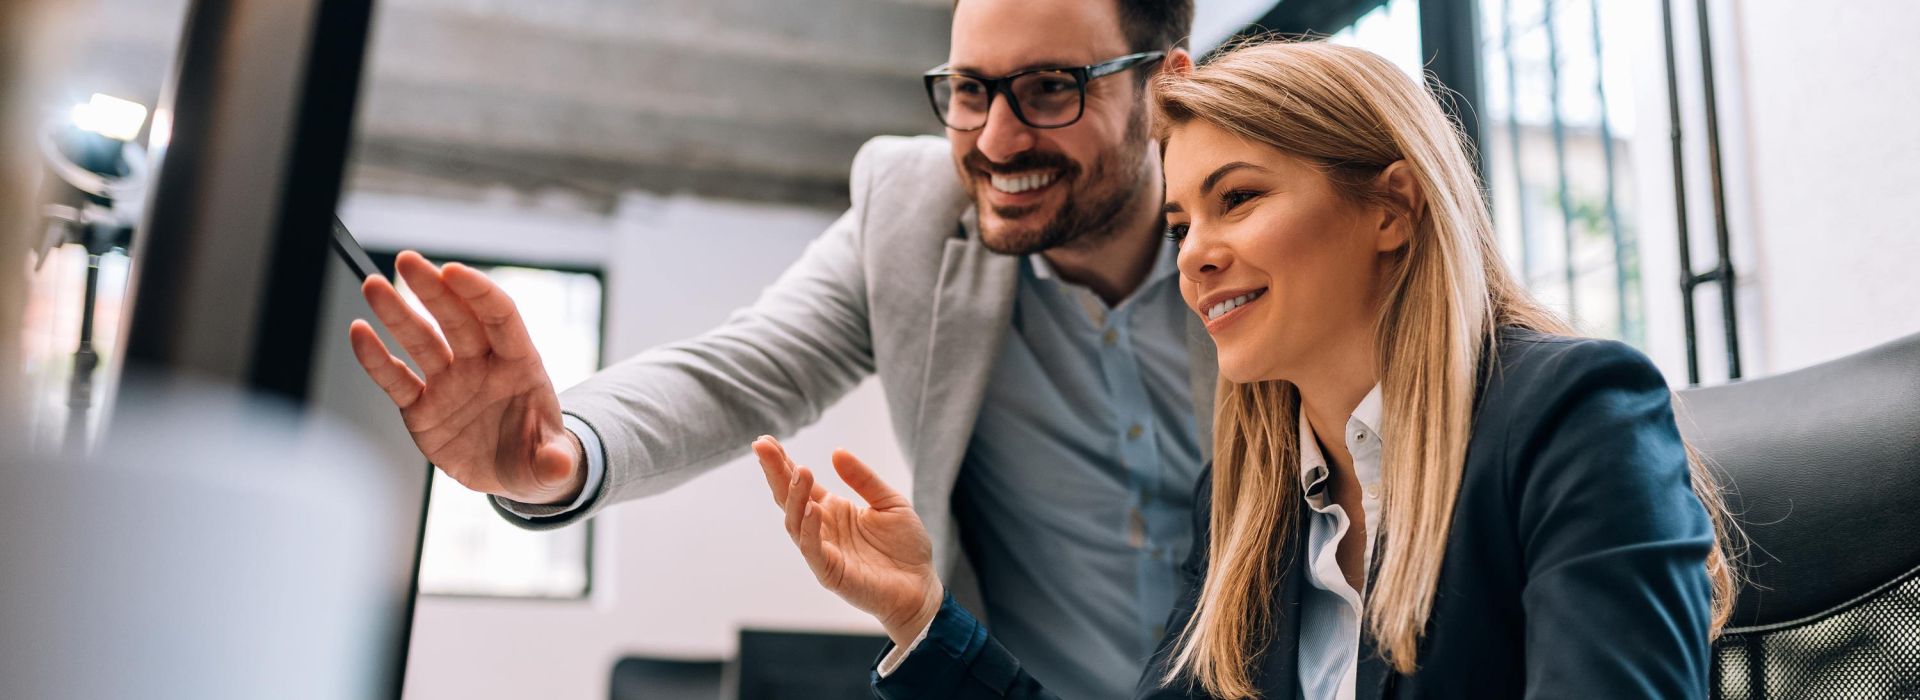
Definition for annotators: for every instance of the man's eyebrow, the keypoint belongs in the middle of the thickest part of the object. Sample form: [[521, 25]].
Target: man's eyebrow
[[1030, 65], [1206, 186], [1171, 208]]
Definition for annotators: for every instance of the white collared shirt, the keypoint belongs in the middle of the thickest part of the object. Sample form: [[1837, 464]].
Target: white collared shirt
[[1330, 608]]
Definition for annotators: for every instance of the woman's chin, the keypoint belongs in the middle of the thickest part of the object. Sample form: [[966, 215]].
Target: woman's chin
[[1239, 373], [1246, 362]]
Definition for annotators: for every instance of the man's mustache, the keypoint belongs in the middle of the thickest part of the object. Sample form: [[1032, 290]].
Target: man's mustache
[[1023, 162]]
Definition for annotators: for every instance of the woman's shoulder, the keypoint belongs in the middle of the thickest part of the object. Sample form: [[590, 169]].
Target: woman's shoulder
[[1538, 365], [1540, 385]]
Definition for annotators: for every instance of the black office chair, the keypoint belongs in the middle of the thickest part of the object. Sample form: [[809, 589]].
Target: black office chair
[[779, 665], [637, 678], [1823, 474]]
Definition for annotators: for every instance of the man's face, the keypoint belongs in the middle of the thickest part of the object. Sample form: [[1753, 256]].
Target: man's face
[[1042, 188]]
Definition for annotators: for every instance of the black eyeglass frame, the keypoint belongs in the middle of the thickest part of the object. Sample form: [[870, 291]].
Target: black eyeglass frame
[[1003, 85]]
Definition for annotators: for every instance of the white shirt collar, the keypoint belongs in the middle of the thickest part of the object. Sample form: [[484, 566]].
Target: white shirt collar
[[1361, 427]]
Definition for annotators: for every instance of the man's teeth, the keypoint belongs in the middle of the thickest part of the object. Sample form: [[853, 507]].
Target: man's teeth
[[1222, 308], [1014, 184]]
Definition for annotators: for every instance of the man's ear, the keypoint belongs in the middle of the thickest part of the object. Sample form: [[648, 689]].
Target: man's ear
[[1405, 204], [1178, 62]]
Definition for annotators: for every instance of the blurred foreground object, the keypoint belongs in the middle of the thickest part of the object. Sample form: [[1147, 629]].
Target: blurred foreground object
[[216, 546], [93, 198]]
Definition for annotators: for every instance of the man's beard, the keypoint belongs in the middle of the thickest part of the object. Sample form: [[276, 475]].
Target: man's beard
[[1097, 198]]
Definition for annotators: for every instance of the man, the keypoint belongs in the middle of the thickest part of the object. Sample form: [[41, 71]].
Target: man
[[1049, 388]]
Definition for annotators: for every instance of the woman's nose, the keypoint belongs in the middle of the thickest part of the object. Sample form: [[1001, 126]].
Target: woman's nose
[[1202, 256]]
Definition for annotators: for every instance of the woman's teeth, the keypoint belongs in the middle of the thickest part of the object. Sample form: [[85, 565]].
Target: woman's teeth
[[1015, 184], [1222, 308]]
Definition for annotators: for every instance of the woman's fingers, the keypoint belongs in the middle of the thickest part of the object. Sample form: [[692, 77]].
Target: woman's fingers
[[809, 539], [773, 465], [388, 371], [866, 483], [457, 322], [778, 468], [417, 336], [797, 500]]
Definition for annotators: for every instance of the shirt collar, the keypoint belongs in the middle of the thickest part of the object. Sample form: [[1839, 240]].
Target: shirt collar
[[1313, 462]]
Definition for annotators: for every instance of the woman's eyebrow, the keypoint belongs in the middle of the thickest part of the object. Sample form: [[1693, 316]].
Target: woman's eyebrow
[[1213, 180]]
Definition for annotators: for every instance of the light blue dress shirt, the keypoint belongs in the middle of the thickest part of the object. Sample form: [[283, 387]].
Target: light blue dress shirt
[[1075, 497], [1330, 608]]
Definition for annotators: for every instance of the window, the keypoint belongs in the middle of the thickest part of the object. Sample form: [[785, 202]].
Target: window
[[1557, 125], [1391, 30], [469, 548]]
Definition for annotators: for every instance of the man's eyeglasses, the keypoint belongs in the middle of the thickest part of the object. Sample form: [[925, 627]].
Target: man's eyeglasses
[[1043, 98]]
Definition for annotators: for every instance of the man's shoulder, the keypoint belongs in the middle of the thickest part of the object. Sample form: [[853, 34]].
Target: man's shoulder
[[893, 172], [911, 153]]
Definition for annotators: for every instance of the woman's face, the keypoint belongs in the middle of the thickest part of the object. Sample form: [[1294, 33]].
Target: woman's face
[[1282, 269]]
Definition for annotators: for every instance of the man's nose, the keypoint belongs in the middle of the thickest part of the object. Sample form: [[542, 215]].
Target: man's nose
[[1005, 135]]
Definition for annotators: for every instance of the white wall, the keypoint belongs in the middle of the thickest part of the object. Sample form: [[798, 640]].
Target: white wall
[[1828, 98], [675, 575], [1819, 156]]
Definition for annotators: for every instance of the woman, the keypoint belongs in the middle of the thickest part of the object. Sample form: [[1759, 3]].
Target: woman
[[1397, 423]]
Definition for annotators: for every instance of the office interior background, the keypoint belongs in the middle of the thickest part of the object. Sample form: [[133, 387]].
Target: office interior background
[[636, 170]]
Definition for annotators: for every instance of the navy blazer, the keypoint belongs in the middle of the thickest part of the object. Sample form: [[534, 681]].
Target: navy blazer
[[1575, 567]]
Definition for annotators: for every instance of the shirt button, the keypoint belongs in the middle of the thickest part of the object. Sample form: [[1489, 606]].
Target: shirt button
[[1111, 337], [1359, 436], [1134, 431], [1373, 492]]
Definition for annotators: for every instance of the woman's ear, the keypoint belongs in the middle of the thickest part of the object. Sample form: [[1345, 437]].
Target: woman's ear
[[1405, 204], [1178, 62]]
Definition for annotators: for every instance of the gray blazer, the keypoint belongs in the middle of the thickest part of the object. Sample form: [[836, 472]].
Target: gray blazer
[[898, 285]]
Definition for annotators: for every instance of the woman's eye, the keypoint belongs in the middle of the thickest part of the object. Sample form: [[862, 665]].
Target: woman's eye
[[1176, 233], [1236, 198]]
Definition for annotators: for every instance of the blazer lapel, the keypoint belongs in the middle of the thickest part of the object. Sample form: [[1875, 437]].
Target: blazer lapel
[[1373, 678], [1280, 663], [973, 305]]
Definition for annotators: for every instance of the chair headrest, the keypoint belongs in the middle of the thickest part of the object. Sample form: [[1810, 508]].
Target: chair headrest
[[1821, 469]]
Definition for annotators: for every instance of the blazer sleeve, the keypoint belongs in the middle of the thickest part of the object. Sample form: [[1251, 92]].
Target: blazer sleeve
[[670, 413], [959, 661], [1613, 538]]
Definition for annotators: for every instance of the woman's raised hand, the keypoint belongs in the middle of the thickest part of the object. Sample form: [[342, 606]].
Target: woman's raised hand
[[876, 557]]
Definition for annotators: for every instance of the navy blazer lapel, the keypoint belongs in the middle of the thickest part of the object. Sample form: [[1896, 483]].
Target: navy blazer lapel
[[1280, 663], [1374, 678]]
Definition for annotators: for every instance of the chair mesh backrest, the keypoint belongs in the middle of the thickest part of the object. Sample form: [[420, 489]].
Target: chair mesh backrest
[[1866, 650]]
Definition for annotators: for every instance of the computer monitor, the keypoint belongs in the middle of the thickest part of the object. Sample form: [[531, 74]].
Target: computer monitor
[[250, 144]]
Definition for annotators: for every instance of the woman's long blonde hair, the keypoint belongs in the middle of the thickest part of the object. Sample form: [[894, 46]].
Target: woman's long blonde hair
[[1354, 113]]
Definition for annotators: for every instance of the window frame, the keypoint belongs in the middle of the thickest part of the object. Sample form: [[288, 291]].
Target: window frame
[[383, 258]]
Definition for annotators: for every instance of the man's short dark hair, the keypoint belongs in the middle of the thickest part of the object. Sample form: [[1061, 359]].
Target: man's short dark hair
[[1156, 25], [1153, 25]]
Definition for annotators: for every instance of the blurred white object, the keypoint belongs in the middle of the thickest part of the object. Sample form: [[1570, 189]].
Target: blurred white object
[[111, 117], [218, 546]]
